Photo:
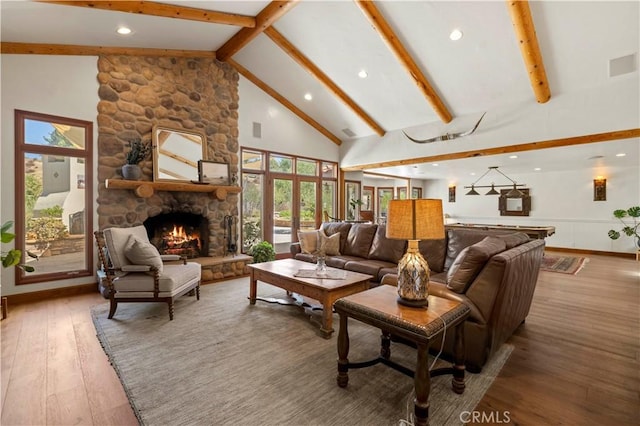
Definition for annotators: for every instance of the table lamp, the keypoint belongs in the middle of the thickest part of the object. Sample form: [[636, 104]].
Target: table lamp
[[414, 220]]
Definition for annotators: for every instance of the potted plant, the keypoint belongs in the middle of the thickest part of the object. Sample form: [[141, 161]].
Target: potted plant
[[263, 252], [138, 151], [13, 256], [630, 229]]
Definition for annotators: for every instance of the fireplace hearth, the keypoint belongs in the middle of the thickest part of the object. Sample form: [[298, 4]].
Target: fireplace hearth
[[184, 234]]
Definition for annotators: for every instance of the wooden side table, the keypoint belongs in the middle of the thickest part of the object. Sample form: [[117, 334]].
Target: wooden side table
[[378, 307]]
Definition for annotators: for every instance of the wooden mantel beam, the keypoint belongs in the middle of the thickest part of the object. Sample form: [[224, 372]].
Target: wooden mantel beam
[[165, 10], [529, 48], [284, 101], [385, 31], [267, 16], [316, 72]]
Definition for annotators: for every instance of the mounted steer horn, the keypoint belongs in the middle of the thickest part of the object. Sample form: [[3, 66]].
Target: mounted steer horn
[[446, 136]]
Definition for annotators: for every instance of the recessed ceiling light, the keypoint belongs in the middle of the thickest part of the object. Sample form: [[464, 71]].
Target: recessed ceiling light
[[455, 35], [472, 174], [435, 164], [622, 154], [308, 96], [123, 30], [537, 169], [513, 156], [362, 74]]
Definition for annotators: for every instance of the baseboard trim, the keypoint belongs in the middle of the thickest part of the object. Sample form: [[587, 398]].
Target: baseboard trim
[[35, 296], [598, 252]]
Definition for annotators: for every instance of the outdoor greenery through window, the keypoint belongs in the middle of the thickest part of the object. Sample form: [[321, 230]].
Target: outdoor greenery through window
[[289, 195], [53, 199]]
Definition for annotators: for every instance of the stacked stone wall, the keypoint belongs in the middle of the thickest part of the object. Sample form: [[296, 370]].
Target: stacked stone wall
[[137, 93]]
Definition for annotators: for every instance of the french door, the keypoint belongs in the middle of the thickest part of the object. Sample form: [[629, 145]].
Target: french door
[[293, 202]]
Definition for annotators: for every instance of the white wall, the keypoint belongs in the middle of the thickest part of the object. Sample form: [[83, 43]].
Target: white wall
[[59, 85], [282, 131], [561, 199]]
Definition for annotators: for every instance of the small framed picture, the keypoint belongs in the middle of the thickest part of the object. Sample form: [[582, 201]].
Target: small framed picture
[[213, 173]]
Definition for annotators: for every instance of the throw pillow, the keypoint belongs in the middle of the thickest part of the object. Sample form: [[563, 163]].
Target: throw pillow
[[142, 253], [470, 262], [308, 241], [330, 245], [515, 239]]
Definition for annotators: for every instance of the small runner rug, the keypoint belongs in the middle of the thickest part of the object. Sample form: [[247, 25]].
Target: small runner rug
[[563, 264], [222, 361]]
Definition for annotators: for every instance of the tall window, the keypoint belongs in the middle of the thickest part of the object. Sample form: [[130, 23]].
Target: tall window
[[54, 169], [282, 194]]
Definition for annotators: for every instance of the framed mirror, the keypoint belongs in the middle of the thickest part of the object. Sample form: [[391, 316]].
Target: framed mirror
[[176, 154], [514, 205]]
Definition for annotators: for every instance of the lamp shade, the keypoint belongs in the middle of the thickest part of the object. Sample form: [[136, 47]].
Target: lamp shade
[[415, 219]]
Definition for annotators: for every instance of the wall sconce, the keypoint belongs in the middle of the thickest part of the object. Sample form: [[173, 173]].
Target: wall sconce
[[452, 194], [599, 189]]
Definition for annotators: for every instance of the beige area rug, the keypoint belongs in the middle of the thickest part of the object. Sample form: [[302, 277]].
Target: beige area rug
[[563, 264], [222, 361]]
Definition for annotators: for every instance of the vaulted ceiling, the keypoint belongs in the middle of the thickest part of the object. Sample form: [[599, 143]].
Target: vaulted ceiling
[[510, 52]]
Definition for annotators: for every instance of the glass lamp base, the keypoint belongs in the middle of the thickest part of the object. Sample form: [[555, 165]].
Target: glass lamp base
[[413, 278]]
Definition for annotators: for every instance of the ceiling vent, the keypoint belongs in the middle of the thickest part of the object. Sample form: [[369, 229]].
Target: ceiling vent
[[623, 65], [348, 132]]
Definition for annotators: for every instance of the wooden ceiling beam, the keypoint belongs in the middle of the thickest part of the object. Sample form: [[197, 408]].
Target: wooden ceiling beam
[[385, 31], [164, 10], [316, 72], [526, 33], [278, 97], [267, 16], [71, 49], [529, 146]]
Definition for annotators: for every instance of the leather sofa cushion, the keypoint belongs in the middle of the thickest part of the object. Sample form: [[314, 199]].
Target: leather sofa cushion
[[470, 262], [387, 249], [359, 239], [391, 271], [458, 239], [515, 239], [306, 257], [370, 267], [434, 252], [340, 261], [341, 228]]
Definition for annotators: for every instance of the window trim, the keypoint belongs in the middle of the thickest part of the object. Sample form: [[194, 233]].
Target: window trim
[[21, 147]]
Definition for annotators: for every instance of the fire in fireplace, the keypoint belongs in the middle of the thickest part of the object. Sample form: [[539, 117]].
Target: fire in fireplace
[[184, 234]]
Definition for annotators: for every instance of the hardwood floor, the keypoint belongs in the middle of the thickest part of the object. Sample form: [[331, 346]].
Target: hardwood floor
[[576, 359]]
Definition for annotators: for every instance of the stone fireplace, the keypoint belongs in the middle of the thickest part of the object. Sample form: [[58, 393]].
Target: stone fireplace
[[182, 93]]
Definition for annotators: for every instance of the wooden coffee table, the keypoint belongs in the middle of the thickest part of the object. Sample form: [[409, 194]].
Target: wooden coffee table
[[280, 274], [378, 307]]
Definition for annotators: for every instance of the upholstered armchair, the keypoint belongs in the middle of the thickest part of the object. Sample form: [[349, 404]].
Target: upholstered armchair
[[136, 272]]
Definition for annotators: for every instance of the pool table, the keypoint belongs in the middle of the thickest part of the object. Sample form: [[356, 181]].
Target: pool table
[[535, 232]]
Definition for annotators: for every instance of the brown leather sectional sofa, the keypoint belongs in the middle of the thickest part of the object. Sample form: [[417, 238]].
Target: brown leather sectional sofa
[[495, 276]]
